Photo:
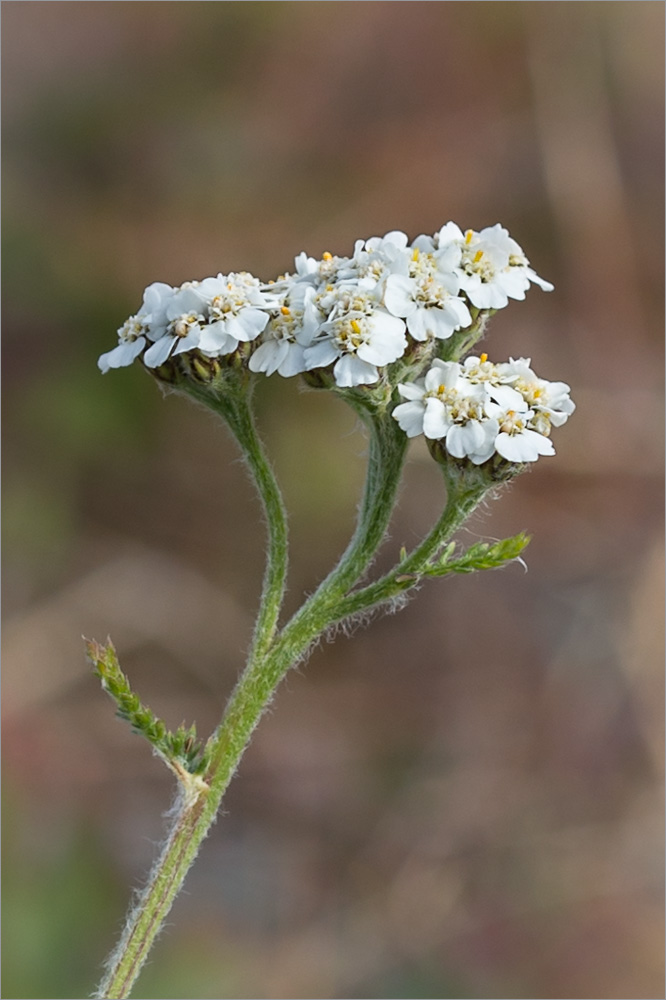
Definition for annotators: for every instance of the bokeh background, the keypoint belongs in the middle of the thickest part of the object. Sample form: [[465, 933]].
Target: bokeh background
[[464, 800]]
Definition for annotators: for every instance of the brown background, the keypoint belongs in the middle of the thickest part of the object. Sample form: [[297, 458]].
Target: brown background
[[464, 800]]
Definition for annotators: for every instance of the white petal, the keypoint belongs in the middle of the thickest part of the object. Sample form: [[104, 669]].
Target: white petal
[[350, 371], [156, 296], [515, 283], [444, 373], [447, 259], [387, 343], [440, 323], [215, 339], [268, 357], [411, 390], [449, 233], [417, 324], [410, 417], [158, 353], [471, 435], [541, 282], [459, 309], [425, 243], [122, 355], [455, 442], [436, 422], [187, 300], [507, 397], [399, 295], [252, 321], [189, 342], [524, 447], [294, 362], [483, 294], [321, 354]]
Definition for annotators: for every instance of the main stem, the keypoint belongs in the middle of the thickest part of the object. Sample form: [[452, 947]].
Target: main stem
[[270, 658]]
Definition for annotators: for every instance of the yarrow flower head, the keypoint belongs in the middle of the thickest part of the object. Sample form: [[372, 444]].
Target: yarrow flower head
[[353, 318], [478, 409]]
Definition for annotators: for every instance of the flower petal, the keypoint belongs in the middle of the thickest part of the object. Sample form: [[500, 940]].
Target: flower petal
[[350, 371], [436, 422], [158, 353]]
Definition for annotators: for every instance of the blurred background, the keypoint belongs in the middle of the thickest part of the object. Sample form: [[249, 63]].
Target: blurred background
[[465, 799]]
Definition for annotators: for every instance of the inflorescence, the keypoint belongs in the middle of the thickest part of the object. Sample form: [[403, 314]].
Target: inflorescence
[[392, 322]]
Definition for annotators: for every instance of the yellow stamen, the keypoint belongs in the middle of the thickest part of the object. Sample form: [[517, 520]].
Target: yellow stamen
[[483, 359], [327, 256], [469, 235], [285, 310], [477, 256], [415, 254], [356, 326]]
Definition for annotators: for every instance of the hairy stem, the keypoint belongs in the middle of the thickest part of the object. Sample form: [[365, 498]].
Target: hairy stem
[[270, 659], [234, 405], [461, 500]]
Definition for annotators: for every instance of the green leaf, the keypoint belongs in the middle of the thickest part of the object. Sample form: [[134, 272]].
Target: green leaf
[[180, 750], [483, 555]]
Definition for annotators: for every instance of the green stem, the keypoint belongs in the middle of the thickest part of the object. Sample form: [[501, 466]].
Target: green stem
[[257, 685], [233, 404], [461, 500], [270, 659]]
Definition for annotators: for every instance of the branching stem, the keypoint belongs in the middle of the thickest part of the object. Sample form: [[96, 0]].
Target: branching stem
[[271, 657]]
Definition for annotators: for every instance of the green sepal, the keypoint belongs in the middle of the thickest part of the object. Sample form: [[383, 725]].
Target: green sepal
[[180, 750]]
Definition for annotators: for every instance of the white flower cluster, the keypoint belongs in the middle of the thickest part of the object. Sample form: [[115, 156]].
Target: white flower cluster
[[354, 314], [478, 409]]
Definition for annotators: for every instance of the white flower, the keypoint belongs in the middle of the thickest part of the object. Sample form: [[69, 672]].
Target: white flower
[[472, 409], [426, 295], [517, 442], [494, 377], [132, 336], [237, 312], [358, 336], [550, 399], [492, 267], [183, 319], [460, 413], [319, 272], [374, 259], [446, 406], [289, 331], [134, 331]]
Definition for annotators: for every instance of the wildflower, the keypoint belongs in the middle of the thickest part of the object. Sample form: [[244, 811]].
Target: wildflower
[[238, 311], [551, 399], [475, 413], [132, 335], [492, 267], [358, 337], [517, 442], [179, 329], [289, 331], [426, 296]]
